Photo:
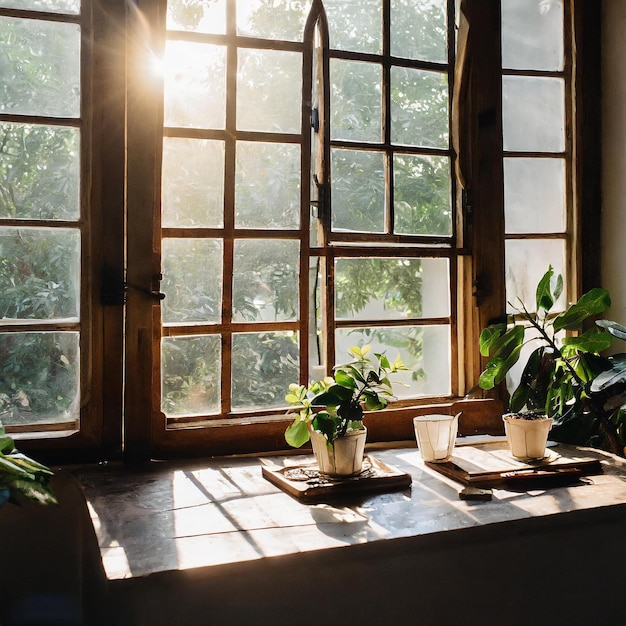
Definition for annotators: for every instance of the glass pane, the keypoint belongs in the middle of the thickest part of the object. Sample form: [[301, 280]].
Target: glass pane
[[197, 15], [534, 195], [39, 172], [40, 67], [397, 288], [60, 6], [419, 107], [425, 351], [279, 19], [422, 196], [192, 280], [267, 185], [194, 84], [532, 34], [192, 183], [533, 113], [526, 261], [269, 90], [265, 280], [40, 277], [355, 25], [191, 375], [263, 366], [39, 377], [358, 191], [419, 30], [355, 100]]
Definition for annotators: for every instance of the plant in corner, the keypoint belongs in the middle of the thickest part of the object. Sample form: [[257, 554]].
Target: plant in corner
[[19, 474], [330, 412], [565, 377]]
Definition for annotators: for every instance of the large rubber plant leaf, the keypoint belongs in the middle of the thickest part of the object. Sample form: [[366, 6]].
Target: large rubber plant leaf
[[591, 303], [614, 376], [617, 330]]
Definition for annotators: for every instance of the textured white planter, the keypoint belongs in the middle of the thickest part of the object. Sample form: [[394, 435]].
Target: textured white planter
[[527, 438], [436, 435], [344, 457]]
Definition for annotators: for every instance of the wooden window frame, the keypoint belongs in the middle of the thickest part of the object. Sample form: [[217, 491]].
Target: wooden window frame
[[124, 200]]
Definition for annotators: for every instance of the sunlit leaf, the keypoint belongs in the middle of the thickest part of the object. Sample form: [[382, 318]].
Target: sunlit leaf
[[592, 340], [297, 434], [344, 379], [591, 303]]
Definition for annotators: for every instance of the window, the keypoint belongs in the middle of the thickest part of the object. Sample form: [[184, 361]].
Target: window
[[245, 189]]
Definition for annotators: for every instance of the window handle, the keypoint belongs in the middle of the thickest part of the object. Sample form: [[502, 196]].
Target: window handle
[[155, 292]]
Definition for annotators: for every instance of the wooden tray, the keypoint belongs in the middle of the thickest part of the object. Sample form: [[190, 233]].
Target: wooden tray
[[306, 483], [492, 465]]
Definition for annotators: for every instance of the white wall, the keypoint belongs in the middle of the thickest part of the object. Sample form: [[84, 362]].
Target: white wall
[[614, 156]]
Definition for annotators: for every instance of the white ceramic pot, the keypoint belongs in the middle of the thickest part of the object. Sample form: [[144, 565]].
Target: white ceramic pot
[[344, 457], [436, 435], [527, 437]]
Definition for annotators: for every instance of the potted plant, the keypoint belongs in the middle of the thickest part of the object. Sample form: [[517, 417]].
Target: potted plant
[[20, 474], [565, 382], [330, 412]]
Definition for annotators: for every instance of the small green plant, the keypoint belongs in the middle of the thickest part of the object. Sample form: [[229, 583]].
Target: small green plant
[[565, 376], [20, 474], [355, 387]]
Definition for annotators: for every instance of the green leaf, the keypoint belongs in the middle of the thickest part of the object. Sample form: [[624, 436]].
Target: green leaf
[[591, 303], [37, 491], [497, 368], [489, 336], [544, 293], [297, 434], [592, 340], [502, 344], [345, 380], [335, 395], [350, 370], [558, 288], [7, 466], [518, 399], [6, 445], [325, 423], [374, 402], [617, 330]]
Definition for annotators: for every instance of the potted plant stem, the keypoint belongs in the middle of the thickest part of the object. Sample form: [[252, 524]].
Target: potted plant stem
[[330, 412], [566, 379]]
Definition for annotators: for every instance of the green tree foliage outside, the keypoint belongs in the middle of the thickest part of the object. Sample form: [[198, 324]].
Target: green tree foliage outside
[[422, 198], [39, 180]]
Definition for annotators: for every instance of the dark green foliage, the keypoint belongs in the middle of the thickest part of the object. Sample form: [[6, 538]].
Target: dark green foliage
[[20, 474], [566, 377]]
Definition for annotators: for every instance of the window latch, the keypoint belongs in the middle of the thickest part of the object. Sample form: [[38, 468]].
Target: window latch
[[155, 292]]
